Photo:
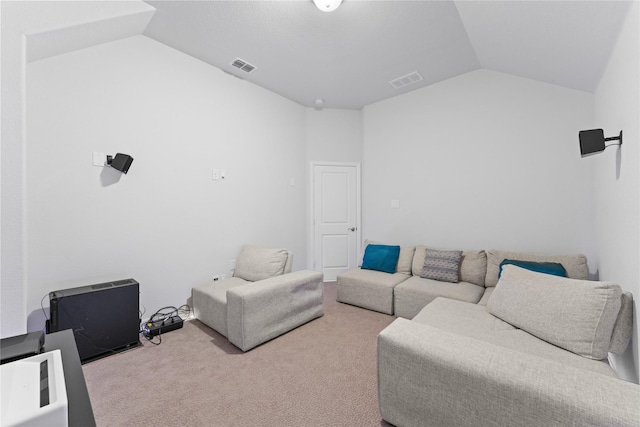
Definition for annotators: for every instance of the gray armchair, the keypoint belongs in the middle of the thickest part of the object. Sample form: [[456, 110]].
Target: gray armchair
[[262, 300]]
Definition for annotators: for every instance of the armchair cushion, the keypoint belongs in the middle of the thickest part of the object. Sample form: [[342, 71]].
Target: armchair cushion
[[256, 263]]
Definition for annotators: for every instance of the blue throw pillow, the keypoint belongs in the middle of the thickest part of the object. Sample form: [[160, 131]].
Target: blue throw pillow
[[552, 268], [381, 258]]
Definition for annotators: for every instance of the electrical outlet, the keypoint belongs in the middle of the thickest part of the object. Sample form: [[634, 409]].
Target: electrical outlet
[[99, 159]]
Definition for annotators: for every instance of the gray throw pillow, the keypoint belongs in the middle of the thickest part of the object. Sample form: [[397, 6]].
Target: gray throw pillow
[[442, 265]]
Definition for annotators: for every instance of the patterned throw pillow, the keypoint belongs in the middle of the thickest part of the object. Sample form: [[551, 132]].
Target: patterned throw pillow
[[442, 265]]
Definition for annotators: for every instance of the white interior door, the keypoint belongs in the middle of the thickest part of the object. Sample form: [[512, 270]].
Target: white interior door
[[336, 218]]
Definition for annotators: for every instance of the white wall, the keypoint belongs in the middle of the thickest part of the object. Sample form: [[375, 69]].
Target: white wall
[[166, 223], [484, 160], [334, 135], [23, 21], [617, 182]]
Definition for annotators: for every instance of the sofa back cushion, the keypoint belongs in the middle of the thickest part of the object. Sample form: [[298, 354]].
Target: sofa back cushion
[[473, 265], [624, 325], [577, 315], [258, 263], [288, 266], [575, 265]]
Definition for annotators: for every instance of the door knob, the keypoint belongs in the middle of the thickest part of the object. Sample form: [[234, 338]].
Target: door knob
[[352, 229]]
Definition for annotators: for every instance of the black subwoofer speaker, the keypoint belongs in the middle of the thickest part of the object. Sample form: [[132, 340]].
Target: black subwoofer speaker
[[104, 317]]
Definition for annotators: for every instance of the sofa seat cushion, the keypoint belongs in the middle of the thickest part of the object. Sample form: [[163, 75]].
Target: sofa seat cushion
[[210, 302], [414, 293], [524, 342], [460, 317], [368, 289], [577, 315], [476, 322]]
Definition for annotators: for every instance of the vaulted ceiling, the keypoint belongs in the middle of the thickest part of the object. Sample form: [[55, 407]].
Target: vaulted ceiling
[[348, 57]]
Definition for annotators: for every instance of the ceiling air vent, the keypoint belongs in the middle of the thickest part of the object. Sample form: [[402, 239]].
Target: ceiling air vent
[[243, 65], [407, 80]]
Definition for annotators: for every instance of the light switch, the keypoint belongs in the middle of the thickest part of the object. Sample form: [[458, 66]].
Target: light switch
[[395, 204], [223, 173], [99, 159], [215, 174]]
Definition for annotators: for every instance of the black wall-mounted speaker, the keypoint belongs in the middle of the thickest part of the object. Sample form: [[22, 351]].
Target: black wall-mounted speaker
[[591, 141], [121, 162]]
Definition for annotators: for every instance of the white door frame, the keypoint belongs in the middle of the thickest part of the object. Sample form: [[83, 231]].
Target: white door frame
[[312, 235]]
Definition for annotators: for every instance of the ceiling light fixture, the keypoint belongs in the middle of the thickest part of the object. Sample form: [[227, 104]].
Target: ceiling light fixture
[[327, 5]]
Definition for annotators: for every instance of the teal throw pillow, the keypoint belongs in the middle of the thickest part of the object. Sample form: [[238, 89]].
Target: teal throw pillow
[[381, 258], [553, 268]]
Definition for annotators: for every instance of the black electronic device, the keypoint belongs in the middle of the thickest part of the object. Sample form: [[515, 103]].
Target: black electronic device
[[592, 141], [120, 162], [151, 329], [21, 346], [104, 317]]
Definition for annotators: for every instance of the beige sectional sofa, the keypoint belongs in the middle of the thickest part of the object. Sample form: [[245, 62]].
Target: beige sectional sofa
[[526, 349], [405, 293]]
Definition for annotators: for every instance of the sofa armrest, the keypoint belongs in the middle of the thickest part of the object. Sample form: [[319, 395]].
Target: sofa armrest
[[427, 376], [260, 311]]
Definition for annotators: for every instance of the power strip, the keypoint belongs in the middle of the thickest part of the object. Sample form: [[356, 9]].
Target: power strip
[[151, 329]]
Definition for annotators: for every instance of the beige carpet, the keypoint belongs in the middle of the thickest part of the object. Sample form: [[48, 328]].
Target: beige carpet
[[320, 374]]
